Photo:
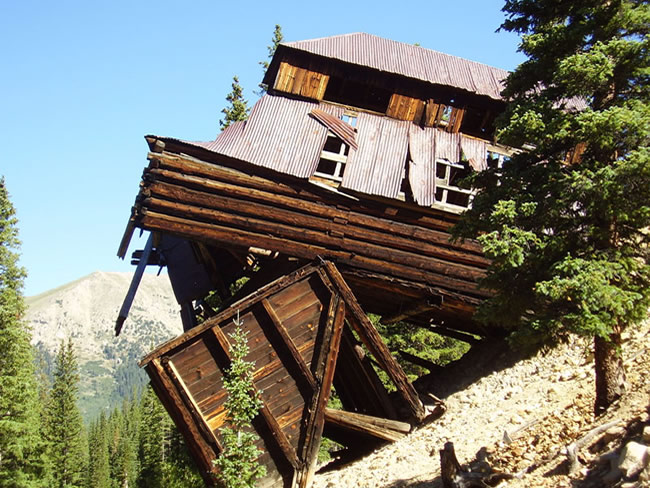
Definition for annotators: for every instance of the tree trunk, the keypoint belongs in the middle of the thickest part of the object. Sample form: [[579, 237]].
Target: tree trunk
[[610, 372]]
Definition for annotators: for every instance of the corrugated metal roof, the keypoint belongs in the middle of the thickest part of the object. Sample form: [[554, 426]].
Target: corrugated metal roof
[[475, 151], [422, 167], [408, 60], [278, 135], [342, 129], [377, 167], [282, 134], [447, 145]]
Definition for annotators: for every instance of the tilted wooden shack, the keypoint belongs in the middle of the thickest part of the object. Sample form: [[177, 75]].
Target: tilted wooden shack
[[297, 327], [355, 156]]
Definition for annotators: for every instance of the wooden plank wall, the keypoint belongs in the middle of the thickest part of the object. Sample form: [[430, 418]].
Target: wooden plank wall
[[301, 81], [210, 203], [293, 332], [294, 329], [403, 107]]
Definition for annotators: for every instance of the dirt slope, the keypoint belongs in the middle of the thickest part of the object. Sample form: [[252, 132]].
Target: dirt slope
[[543, 404]]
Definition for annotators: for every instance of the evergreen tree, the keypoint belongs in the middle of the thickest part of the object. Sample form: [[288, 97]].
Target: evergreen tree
[[566, 221], [275, 42], [152, 448], [163, 459], [238, 109], [238, 466], [64, 426], [22, 452], [122, 455], [98, 464]]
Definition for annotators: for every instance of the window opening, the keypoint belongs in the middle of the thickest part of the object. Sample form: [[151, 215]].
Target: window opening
[[355, 94], [496, 160], [332, 158], [350, 118], [446, 115], [448, 192]]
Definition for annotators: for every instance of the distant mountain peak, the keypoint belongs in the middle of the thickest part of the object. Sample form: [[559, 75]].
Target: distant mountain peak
[[85, 310]]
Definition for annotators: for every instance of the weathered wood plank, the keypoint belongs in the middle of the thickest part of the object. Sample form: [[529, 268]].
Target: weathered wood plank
[[211, 232], [381, 217], [325, 372], [295, 355], [372, 340], [230, 313], [278, 434], [301, 234], [191, 404], [167, 392], [365, 424], [276, 208]]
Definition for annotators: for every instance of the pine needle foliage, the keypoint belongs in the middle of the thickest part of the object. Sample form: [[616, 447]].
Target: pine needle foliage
[[64, 425], [277, 38], [568, 237], [237, 110], [23, 461], [237, 465]]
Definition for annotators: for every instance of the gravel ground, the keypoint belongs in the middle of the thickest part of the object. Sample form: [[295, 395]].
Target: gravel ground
[[541, 402]]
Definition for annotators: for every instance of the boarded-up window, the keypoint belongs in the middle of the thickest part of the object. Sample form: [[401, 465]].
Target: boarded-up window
[[405, 108], [301, 81], [441, 115]]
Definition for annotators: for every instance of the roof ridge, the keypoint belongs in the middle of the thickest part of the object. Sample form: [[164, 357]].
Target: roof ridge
[[294, 44]]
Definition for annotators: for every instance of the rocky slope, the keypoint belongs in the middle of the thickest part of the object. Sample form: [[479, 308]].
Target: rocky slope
[[519, 417], [85, 310]]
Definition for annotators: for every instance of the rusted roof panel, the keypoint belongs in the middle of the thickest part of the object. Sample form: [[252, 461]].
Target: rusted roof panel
[[408, 60], [447, 146], [378, 166], [422, 167], [475, 151], [342, 129], [288, 136], [278, 135]]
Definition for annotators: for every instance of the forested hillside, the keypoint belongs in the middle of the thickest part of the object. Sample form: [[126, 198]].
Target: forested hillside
[[85, 311]]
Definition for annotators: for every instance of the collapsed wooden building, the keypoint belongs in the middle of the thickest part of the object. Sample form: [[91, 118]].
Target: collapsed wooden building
[[354, 156]]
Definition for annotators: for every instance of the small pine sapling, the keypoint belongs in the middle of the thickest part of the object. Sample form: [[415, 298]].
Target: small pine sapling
[[237, 465]]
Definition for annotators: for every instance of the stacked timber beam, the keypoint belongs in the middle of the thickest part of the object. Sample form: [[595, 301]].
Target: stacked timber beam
[[395, 259]]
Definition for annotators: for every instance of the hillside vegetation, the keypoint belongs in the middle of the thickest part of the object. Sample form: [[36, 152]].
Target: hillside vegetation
[[85, 311]]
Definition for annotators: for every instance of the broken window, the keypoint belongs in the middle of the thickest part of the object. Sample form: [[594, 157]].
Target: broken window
[[333, 158], [448, 192], [478, 122], [443, 115], [496, 160], [350, 118]]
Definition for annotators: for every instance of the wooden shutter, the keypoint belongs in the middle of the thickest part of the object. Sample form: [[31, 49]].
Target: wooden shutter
[[301, 81], [405, 108]]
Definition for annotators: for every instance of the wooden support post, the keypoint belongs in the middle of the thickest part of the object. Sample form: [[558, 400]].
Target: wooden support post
[[170, 397], [325, 371], [373, 341], [133, 288], [384, 429], [191, 404], [286, 338]]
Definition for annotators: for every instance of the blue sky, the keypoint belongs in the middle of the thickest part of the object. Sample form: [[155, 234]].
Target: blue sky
[[83, 82]]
